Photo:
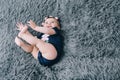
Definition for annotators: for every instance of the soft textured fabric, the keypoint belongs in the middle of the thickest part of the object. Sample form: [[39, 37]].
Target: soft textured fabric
[[91, 31]]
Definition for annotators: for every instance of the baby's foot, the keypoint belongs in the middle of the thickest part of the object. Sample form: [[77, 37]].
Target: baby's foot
[[19, 42], [24, 30]]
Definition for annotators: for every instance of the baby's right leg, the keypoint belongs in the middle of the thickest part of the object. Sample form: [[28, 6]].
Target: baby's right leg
[[26, 47]]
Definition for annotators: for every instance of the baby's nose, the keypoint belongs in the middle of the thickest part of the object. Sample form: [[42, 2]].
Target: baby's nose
[[49, 23]]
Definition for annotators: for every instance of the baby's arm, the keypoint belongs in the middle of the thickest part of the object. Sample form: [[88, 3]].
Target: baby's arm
[[45, 30]]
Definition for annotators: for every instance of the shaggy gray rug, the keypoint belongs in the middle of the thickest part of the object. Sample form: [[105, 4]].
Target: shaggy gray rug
[[91, 30]]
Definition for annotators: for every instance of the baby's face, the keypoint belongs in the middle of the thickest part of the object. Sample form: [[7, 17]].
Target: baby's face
[[51, 22]]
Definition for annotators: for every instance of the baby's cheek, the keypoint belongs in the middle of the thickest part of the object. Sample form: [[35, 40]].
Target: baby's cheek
[[45, 25], [54, 24]]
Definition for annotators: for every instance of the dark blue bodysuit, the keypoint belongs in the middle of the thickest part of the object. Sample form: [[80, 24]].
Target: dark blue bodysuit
[[57, 41]]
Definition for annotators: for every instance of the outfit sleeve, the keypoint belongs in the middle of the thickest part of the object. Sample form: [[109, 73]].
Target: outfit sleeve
[[39, 35], [57, 31]]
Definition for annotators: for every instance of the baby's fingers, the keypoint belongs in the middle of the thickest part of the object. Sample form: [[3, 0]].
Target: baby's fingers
[[19, 24], [31, 23]]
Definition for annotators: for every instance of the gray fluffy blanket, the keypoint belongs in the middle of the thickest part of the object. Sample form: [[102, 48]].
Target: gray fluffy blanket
[[91, 39]]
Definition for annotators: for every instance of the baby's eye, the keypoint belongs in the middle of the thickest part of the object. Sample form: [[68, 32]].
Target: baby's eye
[[52, 22]]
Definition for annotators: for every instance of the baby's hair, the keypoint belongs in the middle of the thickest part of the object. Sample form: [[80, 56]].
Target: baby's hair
[[51, 17]]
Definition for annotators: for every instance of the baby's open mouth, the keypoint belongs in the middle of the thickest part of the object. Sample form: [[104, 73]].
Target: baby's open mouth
[[48, 26]]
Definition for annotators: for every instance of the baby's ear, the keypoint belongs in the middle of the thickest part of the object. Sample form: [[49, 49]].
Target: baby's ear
[[56, 18]]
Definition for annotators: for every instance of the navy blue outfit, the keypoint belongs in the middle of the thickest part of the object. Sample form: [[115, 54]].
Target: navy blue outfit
[[57, 41]]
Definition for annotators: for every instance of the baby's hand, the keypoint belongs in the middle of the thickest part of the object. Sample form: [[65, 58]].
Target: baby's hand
[[32, 24]]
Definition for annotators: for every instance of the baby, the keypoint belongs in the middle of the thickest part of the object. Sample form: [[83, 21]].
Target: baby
[[47, 46]]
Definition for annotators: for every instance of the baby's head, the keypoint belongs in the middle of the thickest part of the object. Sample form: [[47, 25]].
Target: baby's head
[[51, 22]]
